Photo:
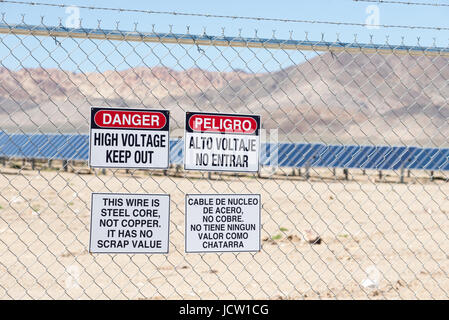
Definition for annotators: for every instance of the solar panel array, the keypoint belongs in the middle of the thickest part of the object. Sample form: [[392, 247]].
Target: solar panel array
[[300, 155], [45, 146], [294, 155]]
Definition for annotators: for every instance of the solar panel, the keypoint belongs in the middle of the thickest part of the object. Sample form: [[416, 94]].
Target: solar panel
[[294, 155]]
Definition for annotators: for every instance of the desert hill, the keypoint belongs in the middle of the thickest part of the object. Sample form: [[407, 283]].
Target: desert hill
[[333, 98]]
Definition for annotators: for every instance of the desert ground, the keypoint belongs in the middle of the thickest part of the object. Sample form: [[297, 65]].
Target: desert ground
[[394, 233]]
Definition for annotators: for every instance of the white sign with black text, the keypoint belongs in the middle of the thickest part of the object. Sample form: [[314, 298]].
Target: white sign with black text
[[222, 223], [129, 138], [129, 223], [222, 142]]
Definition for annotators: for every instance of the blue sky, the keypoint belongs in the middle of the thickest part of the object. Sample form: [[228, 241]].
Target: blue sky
[[324, 10]]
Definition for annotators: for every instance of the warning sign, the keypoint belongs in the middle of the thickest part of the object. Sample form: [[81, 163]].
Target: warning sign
[[222, 223], [129, 223], [129, 138], [222, 142]]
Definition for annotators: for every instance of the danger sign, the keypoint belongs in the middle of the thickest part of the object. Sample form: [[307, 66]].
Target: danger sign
[[129, 223], [129, 138], [222, 142], [222, 223]]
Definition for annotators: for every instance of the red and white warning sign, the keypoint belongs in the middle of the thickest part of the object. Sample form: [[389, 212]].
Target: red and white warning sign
[[129, 138], [222, 142]]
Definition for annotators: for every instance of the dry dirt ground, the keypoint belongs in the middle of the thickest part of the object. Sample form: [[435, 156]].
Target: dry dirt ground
[[395, 233]]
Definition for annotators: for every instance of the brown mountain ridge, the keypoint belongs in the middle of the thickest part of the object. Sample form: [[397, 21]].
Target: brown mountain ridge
[[344, 98]]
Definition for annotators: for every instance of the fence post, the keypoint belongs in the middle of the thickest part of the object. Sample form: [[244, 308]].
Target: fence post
[[402, 174], [307, 170]]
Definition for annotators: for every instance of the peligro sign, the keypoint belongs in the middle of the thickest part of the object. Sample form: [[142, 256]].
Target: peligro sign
[[223, 124], [129, 138], [221, 142]]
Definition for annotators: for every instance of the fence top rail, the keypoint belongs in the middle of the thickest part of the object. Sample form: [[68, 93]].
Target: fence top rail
[[223, 41]]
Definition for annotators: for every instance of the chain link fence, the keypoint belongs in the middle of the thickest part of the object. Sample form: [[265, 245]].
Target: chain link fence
[[328, 231]]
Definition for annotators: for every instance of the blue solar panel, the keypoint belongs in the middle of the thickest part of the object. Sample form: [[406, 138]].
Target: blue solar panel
[[361, 157], [294, 155], [176, 151]]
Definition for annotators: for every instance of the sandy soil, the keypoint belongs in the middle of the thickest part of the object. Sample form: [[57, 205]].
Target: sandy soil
[[398, 230]]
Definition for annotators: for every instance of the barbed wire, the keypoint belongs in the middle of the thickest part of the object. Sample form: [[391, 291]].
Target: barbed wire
[[205, 15], [221, 40], [411, 3]]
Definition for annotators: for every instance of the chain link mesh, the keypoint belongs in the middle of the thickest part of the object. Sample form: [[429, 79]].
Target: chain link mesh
[[326, 233]]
